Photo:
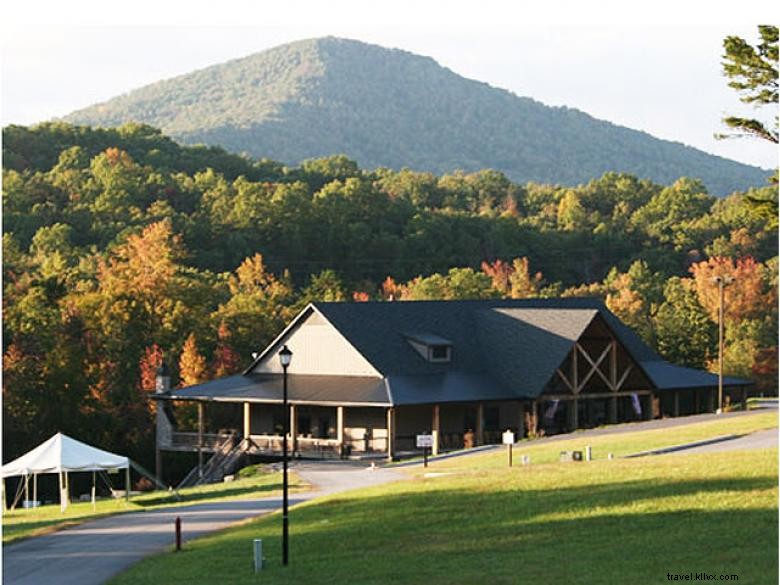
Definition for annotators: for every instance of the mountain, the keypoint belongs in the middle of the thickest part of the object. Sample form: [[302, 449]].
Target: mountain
[[388, 107]]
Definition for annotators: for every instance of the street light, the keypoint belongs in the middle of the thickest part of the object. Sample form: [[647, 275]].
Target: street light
[[721, 281], [285, 357]]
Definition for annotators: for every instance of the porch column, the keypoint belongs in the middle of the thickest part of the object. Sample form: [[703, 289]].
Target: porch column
[[648, 411], [743, 395], [390, 433], [293, 429], [696, 405], [520, 420], [435, 429], [200, 440], [340, 428], [612, 415], [573, 414], [534, 418], [247, 421], [480, 434], [676, 407]]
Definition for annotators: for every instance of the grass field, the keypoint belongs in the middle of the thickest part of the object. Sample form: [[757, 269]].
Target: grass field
[[20, 523], [477, 521]]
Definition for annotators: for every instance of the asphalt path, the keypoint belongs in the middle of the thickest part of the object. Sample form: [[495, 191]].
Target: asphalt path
[[759, 440], [93, 552]]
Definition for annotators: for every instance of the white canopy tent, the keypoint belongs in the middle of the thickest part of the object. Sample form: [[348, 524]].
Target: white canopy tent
[[63, 455]]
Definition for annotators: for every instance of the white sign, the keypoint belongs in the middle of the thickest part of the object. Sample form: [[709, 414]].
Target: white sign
[[508, 438], [424, 441]]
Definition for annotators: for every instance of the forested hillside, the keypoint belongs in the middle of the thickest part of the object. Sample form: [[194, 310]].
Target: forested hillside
[[390, 108], [121, 246]]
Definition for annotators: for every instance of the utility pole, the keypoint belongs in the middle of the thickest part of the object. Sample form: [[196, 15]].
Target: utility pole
[[721, 281]]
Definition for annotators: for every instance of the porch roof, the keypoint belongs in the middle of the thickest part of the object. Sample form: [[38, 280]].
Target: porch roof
[[668, 376], [301, 389]]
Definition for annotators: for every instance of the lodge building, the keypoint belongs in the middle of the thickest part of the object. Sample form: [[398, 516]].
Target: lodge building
[[366, 378]]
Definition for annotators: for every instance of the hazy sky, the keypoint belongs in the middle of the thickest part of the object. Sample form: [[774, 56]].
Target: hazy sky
[[662, 76]]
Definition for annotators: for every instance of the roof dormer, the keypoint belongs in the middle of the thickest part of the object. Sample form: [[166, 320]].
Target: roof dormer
[[431, 347]]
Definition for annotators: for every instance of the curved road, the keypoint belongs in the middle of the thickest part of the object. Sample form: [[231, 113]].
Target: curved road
[[93, 552]]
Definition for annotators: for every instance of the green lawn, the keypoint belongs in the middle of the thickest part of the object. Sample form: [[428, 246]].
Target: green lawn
[[21, 523], [619, 521]]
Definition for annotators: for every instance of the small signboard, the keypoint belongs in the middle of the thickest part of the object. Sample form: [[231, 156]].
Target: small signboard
[[508, 438], [424, 441]]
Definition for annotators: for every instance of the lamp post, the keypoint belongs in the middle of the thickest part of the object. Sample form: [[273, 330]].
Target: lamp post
[[285, 356], [721, 281]]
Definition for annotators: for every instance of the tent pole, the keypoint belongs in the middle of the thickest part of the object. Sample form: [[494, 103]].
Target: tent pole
[[5, 495], [35, 487], [26, 488], [93, 491], [127, 483], [63, 505]]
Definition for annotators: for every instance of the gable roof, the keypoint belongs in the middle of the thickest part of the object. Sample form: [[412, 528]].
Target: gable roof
[[502, 349], [526, 345]]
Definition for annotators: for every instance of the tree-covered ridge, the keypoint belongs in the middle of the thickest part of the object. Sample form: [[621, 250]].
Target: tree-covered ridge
[[120, 247], [390, 108]]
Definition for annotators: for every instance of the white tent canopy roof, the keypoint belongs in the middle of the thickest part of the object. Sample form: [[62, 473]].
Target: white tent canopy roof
[[61, 453]]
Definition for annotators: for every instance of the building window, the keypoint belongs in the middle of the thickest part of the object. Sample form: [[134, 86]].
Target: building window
[[440, 353]]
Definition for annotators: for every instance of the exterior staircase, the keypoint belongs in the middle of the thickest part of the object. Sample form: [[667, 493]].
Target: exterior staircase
[[221, 463]]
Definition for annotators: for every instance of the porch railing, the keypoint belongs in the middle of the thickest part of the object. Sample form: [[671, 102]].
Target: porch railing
[[190, 441]]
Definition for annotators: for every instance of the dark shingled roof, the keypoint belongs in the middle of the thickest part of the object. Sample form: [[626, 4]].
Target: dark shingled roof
[[501, 350], [359, 390]]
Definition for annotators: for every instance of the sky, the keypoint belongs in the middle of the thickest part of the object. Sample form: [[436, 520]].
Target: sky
[[655, 68]]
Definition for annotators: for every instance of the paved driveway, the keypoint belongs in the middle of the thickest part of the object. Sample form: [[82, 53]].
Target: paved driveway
[[759, 440], [93, 552]]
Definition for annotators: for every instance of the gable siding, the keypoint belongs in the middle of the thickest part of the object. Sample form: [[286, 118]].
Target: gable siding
[[318, 349]]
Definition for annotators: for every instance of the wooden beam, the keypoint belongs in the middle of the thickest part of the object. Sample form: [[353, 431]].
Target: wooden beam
[[247, 420], [573, 414], [565, 380], [293, 430], [480, 434], [340, 425], [594, 367], [574, 373], [676, 407], [613, 366], [624, 377], [594, 395], [520, 420], [390, 433], [613, 408]]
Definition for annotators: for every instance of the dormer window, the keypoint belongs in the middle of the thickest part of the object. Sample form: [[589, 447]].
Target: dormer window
[[433, 348], [439, 353]]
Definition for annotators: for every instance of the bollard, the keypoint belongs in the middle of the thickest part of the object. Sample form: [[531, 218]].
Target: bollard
[[178, 533], [610, 456], [588, 453], [258, 554]]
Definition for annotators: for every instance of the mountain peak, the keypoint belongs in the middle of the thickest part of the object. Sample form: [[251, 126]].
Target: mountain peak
[[389, 107]]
